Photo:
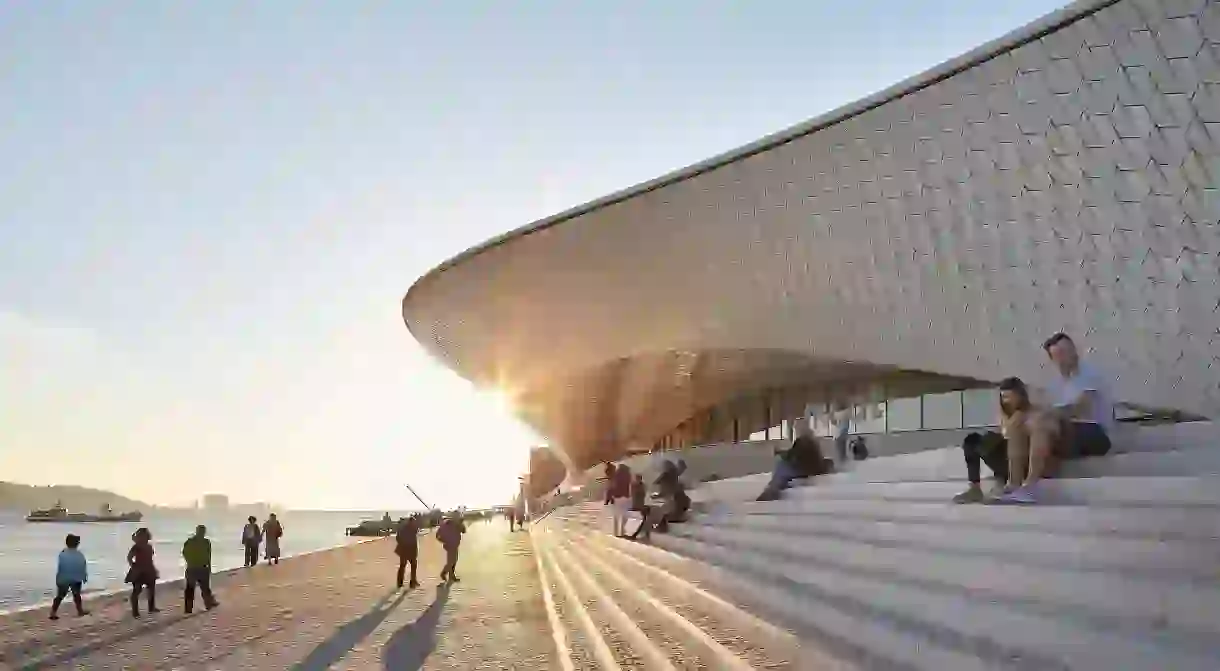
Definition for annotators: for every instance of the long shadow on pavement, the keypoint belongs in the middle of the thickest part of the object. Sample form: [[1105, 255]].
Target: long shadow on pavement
[[346, 637], [102, 643], [410, 646]]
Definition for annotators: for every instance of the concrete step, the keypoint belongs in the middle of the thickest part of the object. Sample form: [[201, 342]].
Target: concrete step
[[733, 623], [631, 627], [847, 638], [1139, 523], [1162, 559], [579, 643], [1106, 491], [1141, 603], [948, 623], [948, 464]]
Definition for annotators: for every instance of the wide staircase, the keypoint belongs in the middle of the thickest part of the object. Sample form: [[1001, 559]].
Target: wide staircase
[[1115, 568]]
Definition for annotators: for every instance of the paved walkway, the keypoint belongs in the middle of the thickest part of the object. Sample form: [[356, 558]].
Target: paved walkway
[[331, 610]]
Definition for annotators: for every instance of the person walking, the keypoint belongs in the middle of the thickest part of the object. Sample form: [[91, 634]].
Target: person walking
[[142, 571], [197, 553], [71, 572], [449, 533], [406, 546], [272, 532], [251, 538]]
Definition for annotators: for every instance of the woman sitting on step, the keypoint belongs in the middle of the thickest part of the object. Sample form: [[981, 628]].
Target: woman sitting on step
[[802, 460]]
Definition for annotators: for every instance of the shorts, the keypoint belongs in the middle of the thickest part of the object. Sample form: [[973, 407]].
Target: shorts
[[1083, 439]]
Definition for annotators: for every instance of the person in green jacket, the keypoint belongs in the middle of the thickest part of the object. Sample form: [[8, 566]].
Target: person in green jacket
[[197, 551]]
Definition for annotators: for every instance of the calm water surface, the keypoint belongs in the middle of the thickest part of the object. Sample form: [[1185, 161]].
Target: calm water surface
[[28, 551]]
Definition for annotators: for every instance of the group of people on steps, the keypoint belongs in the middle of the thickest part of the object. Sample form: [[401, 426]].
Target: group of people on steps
[[627, 492], [72, 569]]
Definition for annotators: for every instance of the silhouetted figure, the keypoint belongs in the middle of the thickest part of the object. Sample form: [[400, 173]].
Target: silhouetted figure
[[673, 493], [639, 503], [272, 532], [609, 472], [406, 546], [449, 533], [141, 571], [197, 553], [618, 490], [251, 538], [71, 572]]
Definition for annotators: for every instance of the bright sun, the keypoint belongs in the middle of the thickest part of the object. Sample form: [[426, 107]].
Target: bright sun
[[498, 401]]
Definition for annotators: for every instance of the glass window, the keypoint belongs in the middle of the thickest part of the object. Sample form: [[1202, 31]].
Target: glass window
[[903, 414], [942, 411], [980, 407], [868, 418], [777, 431], [821, 425]]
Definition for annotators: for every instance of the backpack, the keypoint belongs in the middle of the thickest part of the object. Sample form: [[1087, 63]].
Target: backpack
[[859, 449]]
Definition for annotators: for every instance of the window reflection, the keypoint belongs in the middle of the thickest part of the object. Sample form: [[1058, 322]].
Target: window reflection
[[942, 411], [979, 407], [869, 418], [903, 414]]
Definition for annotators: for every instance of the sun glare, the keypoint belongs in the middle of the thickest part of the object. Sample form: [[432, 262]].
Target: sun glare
[[498, 401]]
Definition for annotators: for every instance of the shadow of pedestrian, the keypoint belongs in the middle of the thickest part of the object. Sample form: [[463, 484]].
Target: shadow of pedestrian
[[102, 643], [410, 646], [346, 637]]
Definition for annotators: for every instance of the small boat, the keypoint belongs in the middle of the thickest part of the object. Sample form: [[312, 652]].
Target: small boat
[[60, 514], [382, 527]]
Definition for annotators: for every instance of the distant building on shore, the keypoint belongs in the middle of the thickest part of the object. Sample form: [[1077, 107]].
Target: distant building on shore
[[215, 503]]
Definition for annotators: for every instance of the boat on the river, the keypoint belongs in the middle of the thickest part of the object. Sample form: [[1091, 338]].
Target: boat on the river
[[382, 527], [60, 514]]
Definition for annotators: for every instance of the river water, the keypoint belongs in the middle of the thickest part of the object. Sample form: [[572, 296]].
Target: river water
[[28, 551]]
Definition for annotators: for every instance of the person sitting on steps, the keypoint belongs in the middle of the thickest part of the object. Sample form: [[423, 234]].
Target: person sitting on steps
[[803, 459], [673, 493], [991, 448], [1076, 423]]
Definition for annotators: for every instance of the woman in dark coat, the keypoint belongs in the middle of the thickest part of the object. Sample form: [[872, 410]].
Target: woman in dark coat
[[141, 571]]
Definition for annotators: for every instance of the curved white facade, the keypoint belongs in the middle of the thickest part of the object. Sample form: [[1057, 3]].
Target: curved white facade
[[1063, 178]]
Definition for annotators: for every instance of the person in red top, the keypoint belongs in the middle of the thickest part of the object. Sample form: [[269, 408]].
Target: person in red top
[[620, 493], [141, 571]]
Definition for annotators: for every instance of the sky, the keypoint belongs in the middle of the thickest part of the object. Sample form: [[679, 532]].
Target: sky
[[210, 210]]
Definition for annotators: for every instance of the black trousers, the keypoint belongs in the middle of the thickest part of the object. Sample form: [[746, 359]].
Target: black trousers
[[402, 568], [61, 591], [201, 577], [149, 587], [989, 448], [644, 511], [251, 554], [451, 560]]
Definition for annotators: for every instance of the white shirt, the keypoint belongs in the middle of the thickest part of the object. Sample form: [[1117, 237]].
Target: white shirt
[[1066, 391]]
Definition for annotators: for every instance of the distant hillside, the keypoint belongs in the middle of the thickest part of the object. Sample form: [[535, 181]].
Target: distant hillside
[[14, 496]]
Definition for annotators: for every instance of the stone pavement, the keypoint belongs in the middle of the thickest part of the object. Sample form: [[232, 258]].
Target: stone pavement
[[330, 610]]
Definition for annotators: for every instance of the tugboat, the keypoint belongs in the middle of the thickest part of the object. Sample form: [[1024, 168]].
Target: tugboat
[[60, 514]]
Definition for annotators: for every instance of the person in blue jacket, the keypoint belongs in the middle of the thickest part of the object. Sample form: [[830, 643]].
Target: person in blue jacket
[[71, 573]]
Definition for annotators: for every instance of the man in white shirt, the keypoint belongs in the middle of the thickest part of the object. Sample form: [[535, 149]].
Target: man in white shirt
[[1076, 422]]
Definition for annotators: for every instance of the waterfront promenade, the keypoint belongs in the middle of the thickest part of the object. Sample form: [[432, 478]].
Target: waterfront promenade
[[336, 609]]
